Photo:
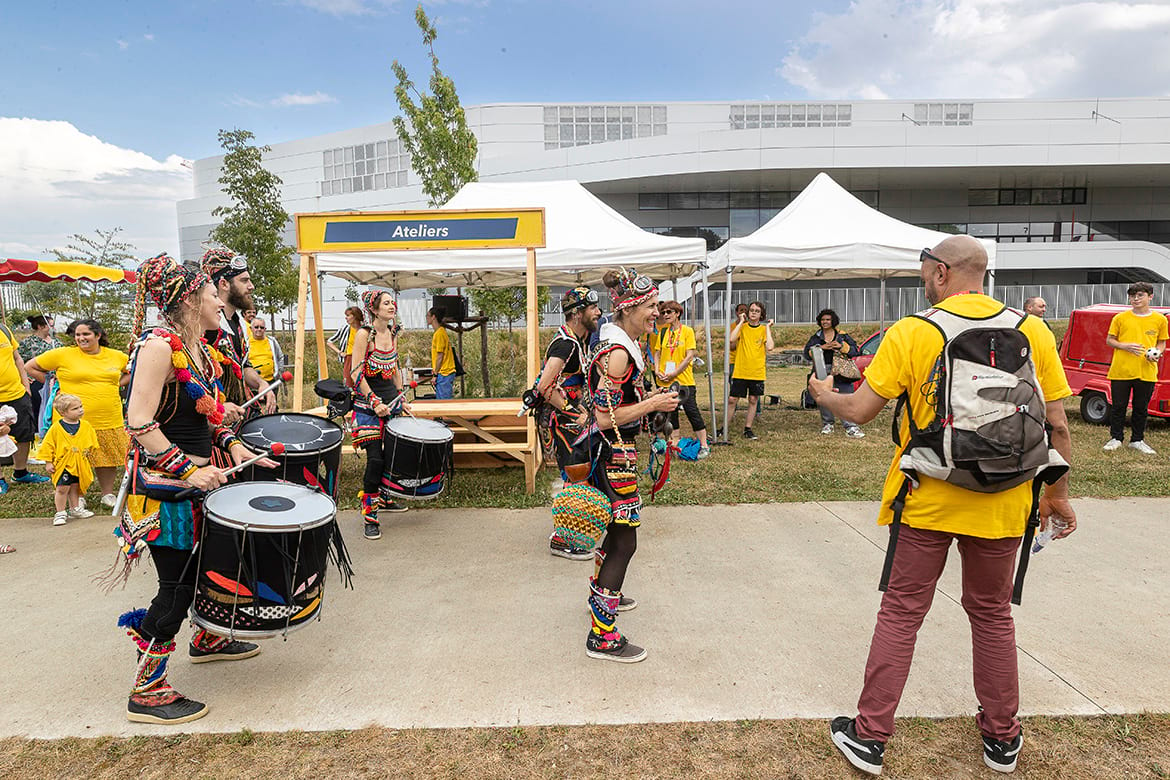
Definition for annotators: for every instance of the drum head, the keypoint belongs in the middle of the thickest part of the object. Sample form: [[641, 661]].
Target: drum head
[[415, 429], [297, 432], [269, 507]]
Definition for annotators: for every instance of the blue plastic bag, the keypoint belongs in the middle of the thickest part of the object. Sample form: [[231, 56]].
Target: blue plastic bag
[[688, 449]]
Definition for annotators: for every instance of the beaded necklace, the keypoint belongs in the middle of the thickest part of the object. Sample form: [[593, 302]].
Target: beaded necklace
[[202, 385], [379, 362]]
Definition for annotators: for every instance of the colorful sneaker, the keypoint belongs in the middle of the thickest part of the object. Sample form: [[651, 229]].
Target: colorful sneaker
[[373, 531], [1142, 447], [562, 550], [1002, 756], [865, 754], [1111, 445], [3, 486], [61, 518], [30, 478], [613, 647], [827, 429]]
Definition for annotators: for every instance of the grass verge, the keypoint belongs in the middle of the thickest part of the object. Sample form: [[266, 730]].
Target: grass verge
[[1071, 748]]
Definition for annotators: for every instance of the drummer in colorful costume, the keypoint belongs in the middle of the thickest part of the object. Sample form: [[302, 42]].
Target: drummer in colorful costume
[[562, 387], [231, 336], [375, 377], [614, 376], [175, 416]]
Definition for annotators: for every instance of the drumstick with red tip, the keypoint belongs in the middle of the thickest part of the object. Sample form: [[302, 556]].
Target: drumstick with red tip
[[285, 376], [277, 450]]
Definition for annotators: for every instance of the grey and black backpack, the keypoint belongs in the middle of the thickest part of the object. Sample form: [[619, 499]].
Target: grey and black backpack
[[989, 431]]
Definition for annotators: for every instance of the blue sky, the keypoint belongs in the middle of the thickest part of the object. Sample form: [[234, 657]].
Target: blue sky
[[102, 102]]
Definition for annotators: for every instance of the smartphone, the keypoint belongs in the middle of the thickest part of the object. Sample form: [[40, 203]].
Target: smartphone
[[819, 366]]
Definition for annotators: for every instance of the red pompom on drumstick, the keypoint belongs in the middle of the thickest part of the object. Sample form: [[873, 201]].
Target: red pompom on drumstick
[[277, 448], [413, 384], [286, 376]]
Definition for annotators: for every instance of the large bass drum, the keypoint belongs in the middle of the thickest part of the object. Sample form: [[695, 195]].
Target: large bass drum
[[419, 455], [312, 450], [262, 558]]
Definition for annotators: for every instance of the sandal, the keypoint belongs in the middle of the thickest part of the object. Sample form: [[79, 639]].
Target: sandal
[[6, 548]]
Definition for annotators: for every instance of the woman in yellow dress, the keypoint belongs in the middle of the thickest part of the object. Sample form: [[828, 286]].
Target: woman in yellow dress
[[93, 372]]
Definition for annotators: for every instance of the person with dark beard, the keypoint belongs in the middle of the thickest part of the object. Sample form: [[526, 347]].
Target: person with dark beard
[[229, 273]]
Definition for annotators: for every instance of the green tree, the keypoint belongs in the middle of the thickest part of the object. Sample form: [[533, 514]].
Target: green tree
[[254, 224], [434, 131], [105, 302], [508, 304]]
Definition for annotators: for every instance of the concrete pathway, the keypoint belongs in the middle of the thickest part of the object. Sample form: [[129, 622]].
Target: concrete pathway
[[462, 618]]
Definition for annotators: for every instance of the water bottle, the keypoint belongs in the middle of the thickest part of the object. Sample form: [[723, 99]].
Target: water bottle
[[1056, 524]]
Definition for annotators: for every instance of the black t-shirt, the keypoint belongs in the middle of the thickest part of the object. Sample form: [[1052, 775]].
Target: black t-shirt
[[568, 351]]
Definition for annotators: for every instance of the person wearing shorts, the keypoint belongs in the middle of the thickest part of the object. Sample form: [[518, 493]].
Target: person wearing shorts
[[751, 339]]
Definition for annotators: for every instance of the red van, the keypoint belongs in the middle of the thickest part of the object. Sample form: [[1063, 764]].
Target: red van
[[1086, 357]]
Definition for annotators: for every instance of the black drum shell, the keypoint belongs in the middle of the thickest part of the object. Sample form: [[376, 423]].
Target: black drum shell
[[415, 470], [318, 468]]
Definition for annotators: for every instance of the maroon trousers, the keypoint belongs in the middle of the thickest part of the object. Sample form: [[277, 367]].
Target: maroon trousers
[[988, 571]]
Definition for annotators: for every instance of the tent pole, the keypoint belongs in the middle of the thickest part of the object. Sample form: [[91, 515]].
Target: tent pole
[[881, 303], [710, 365], [726, 353], [530, 457], [318, 319], [299, 344]]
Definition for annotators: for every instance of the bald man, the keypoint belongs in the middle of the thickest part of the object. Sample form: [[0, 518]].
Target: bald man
[[986, 526], [1036, 306]]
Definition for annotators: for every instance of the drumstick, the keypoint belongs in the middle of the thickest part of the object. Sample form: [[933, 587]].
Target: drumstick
[[277, 450], [275, 383], [401, 397]]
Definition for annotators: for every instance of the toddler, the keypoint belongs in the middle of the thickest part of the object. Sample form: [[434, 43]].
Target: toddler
[[65, 450]]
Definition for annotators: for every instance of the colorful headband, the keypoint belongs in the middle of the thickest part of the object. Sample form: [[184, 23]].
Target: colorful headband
[[578, 298], [632, 289], [370, 300], [164, 282], [220, 263]]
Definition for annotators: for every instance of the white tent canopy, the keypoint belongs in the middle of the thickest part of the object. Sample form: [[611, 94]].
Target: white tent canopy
[[584, 238], [826, 232]]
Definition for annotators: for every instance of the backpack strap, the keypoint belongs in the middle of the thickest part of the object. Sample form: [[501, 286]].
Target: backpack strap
[[898, 504], [1026, 549]]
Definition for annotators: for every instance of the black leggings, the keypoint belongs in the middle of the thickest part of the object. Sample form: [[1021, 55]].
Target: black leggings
[[177, 572], [375, 466], [619, 546], [1142, 392], [688, 400]]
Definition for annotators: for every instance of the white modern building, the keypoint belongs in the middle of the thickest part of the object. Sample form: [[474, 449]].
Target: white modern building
[[1074, 173]]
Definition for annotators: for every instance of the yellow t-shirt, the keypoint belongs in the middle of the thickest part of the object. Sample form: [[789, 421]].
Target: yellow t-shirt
[[1129, 328], [11, 387], [92, 378], [349, 341], [903, 363], [670, 348], [441, 342], [260, 355], [751, 352]]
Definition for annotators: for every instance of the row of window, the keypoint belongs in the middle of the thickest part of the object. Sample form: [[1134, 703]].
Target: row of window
[[371, 166], [1029, 196], [944, 114], [566, 126], [687, 201], [747, 116]]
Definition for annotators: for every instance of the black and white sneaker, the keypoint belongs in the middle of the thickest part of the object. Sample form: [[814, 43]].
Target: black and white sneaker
[[1002, 756], [865, 754], [373, 531], [749, 434]]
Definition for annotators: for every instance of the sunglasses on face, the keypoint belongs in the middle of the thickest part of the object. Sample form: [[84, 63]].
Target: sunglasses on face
[[928, 255]]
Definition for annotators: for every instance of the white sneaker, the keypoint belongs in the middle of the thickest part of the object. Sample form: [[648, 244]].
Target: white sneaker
[[61, 517], [1143, 448], [827, 430], [35, 462], [855, 433], [1111, 445], [108, 500], [80, 512]]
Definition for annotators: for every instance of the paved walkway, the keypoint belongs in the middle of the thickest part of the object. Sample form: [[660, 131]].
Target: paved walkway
[[462, 618]]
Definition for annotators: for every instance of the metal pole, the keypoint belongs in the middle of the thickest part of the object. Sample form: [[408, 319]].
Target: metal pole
[[710, 365], [881, 302], [726, 349]]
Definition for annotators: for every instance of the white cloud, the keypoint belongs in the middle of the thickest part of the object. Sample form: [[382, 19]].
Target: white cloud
[[122, 45], [148, 37], [298, 99], [984, 48], [59, 181], [363, 7]]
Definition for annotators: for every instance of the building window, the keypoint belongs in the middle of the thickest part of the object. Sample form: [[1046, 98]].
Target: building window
[[566, 126], [1035, 196], [748, 116], [944, 114], [373, 166]]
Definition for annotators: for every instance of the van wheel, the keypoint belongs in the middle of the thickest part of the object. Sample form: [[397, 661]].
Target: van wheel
[[1094, 408]]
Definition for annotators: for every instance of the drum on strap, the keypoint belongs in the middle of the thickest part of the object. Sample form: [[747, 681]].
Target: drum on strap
[[262, 559], [312, 450], [419, 458]]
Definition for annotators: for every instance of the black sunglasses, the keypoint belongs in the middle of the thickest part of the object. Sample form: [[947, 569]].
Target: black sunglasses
[[927, 255]]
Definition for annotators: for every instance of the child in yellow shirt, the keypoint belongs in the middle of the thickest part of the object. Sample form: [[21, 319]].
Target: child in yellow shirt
[[66, 450]]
